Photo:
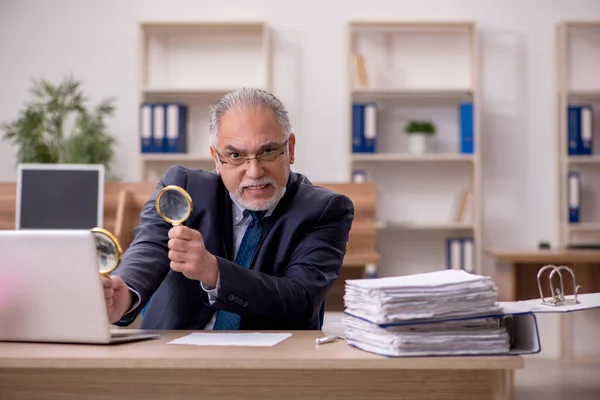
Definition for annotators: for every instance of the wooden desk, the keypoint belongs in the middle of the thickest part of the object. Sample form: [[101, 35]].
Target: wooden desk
[[515, 275], [294, 369]]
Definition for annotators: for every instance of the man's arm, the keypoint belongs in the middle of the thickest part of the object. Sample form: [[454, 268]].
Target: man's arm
[[146, 262], [313, 268]]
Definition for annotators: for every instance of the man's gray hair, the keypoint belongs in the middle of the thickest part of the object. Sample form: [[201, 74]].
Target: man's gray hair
[[245, 99]]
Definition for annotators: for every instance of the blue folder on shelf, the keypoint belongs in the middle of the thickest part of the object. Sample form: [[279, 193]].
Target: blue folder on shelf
[[163, 127]]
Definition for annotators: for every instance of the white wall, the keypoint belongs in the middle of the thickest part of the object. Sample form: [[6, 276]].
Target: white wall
[[96, 41]]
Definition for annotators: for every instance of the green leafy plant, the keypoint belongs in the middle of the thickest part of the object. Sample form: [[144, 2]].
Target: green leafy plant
[[420, 127], [58, 127]]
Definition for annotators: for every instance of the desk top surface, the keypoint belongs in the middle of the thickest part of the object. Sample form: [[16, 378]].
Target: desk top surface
[[296, 352], [544, 256]]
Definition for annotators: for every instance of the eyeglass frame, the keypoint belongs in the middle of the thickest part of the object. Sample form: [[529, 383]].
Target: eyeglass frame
[[284, 146]]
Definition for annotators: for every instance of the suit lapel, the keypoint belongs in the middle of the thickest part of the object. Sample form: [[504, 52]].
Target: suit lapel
[[225, 222]]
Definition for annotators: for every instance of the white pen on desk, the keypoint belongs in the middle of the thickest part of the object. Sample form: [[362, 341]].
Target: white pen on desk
[[327, 339]]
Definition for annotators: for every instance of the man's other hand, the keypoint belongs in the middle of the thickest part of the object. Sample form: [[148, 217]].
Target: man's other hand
[[117, 296]]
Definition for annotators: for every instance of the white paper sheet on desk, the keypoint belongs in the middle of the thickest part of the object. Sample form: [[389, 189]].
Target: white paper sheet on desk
[[252, 339]]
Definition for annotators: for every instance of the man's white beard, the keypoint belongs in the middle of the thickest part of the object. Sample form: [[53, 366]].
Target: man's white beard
[[264, 205]]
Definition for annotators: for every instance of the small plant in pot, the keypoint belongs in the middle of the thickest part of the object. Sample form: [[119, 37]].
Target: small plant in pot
[[420, 135]]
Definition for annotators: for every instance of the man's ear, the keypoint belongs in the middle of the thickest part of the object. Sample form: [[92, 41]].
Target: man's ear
[[216, 160], [292, 147]]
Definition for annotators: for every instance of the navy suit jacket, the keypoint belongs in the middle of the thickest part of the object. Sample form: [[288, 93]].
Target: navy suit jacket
[[298, 259]]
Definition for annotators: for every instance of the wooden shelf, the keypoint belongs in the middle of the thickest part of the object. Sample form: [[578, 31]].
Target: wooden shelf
[[408, 86], [186, 91], [383, 157], [455, 94], [584, 94], [578, 54], [584, 227], [583, 159], [194, 64]]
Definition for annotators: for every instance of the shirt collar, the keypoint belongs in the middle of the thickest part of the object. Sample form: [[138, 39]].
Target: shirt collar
[[239, 212]]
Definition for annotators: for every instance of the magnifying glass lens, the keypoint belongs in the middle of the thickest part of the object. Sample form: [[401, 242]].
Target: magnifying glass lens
[[108, 250], [173, 204]]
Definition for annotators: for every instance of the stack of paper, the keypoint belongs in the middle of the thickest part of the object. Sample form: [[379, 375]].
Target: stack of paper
[[439, 313]]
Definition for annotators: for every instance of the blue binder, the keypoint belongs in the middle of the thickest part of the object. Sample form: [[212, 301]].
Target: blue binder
[[573, 129], [580, 129], [574, 196], [358, 127], [467, 138], [364, 127], [176, 128]]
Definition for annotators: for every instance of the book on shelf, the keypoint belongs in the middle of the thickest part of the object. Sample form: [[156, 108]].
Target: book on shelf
[[359, 71], [466, 125], [463, 212], [574, 196], [580, 129], [364, 127], [460, 254], [163, 127]]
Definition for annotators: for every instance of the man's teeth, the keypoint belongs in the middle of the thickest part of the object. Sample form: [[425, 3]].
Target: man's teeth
[[256, 187]]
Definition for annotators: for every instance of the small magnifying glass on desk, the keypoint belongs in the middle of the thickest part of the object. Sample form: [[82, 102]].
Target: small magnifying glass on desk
[[109, 250], [174, 204]]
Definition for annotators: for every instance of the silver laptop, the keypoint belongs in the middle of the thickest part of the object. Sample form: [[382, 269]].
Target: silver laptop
[[51, 290]]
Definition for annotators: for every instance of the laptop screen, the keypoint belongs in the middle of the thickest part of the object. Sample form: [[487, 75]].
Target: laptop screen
[[60, 196]]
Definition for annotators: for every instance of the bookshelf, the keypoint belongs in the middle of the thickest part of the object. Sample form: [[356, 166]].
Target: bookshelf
[[578, 59], [417, 71], [577, 66], [194, 64]]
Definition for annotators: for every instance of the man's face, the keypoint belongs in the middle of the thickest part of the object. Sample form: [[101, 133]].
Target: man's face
[[255, 184]]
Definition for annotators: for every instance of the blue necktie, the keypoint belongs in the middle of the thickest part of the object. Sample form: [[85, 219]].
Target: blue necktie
[[227, 320]]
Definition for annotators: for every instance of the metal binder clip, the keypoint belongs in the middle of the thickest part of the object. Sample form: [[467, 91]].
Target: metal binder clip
[[557, 295]]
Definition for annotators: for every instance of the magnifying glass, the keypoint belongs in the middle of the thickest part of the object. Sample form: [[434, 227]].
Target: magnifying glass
[[173, 204], [109, 250]]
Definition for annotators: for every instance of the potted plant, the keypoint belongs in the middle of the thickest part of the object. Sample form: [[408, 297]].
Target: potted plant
[[419, 136], [57, 127]]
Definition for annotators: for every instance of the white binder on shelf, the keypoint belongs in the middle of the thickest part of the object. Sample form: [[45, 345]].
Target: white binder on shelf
[[158, 127]]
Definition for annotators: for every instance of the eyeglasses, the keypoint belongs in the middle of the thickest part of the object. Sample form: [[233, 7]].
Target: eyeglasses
[[268, 154]]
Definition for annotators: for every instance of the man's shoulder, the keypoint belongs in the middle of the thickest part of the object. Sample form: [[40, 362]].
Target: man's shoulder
[[312, 195], [184, 176]]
